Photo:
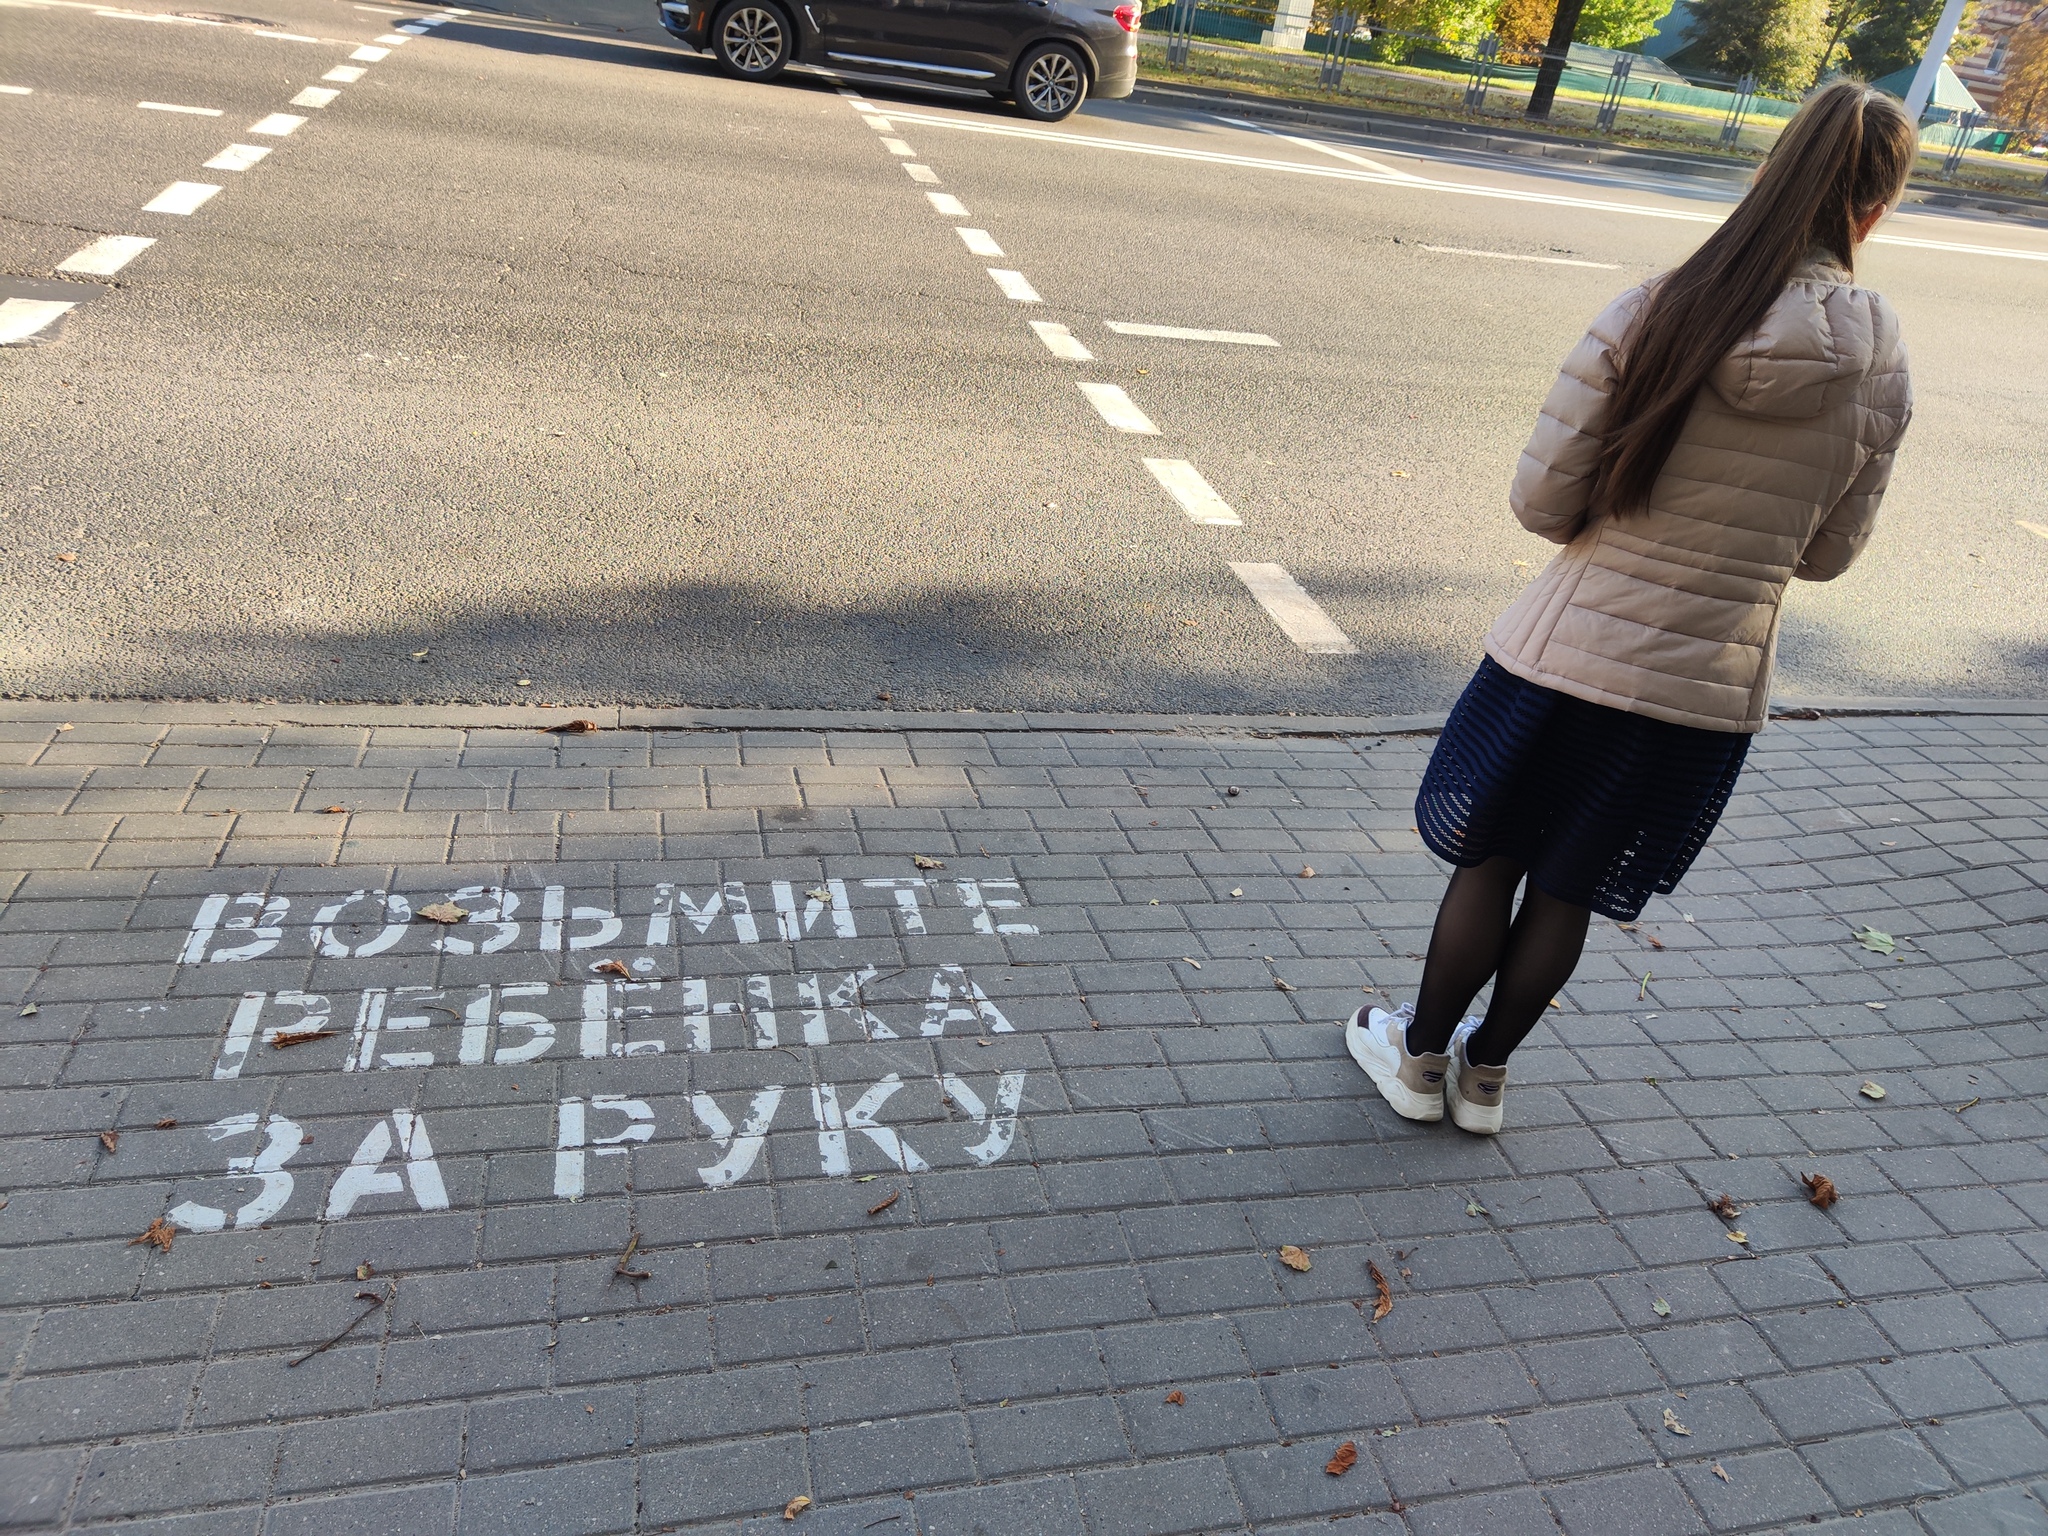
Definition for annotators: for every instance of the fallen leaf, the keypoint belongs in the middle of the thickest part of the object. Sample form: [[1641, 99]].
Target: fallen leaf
[[279, 1042], [1295, 1258], [1822, 1189], [1237, 890], [1721, 1472], [1345, 1459], [923, 861], [571, 728], [867, 1178], [1176, 1397], [1660, 1306], [1643, 990], [335, 810], [1724, 1206], [796, 1506], [1878, 1006], [1189, 960], [1877, 943], [29, 1012], [1282, 986], [1474, 1208], [444, 912], [612, 968], [881, 1206], [1871, 1091], [1972, 1104], [1384, 1303], [821, 894], [165, 1124], [1307, 873], [68, 556], [1671, 1423], [1398, 474], [109, 1138], [157, 1234], [1396, 1507], [364, 1270], [1739, 1237], [1655, 942]]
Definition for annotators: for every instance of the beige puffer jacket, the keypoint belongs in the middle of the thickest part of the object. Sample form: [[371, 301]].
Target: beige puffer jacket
[[1673, 612]]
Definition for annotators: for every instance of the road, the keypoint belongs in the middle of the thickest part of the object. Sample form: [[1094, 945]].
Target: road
[[542, 363]]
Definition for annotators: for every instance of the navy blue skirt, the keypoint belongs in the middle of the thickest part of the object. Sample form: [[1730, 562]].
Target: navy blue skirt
[[1601, 806]]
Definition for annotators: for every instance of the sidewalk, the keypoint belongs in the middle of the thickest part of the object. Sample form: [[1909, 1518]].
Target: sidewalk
[[960, 1087]]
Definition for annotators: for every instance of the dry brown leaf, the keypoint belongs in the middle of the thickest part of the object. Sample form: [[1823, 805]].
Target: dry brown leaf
[[571, 728], [444, 912], [1295, 1258], [68, 556], [1821, 1189], [1176, 1397], [165, 1124], [1671, 1423], [1345, 1459], [1307, 873], [1722, 1473], [1384, 1303], [108, 1139], [335, 810], [924, 861], [1724, 1206], [1655, 942], [279, 1042], [157, 1234], [796, 1506], [611, 968], [1282, 986], [881, 1206]]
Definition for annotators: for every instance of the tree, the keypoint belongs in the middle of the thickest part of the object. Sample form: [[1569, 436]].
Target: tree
[[1555, 52], [1894, 35], [1778, 41], [1455, 21], [1524, 25], [2023, 100]]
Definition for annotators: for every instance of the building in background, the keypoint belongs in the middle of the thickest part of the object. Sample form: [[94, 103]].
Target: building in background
[[1984, 70]]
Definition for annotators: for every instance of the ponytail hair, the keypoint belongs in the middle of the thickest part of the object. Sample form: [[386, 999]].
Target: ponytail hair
[[1846, 153]]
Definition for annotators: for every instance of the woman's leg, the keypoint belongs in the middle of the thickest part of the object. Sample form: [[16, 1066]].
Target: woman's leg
[[1543, 950], [1465, 949]]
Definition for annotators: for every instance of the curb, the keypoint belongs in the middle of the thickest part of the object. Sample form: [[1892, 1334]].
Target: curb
[[634, 717]]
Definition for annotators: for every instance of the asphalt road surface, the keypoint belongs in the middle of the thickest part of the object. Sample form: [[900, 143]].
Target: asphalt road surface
[[541, 352]]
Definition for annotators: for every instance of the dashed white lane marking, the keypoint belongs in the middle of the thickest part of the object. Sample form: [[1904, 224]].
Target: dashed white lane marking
[[314, 96], [369, 55], [979, 241], [1015, 285], [106, 255], [22, 318], [1182, 333], [394, 40], [345, 74], [879, 124], [898, 147], [1327, 149], [415, 31], [923, 173], [2034, 528], [166, 106], [1548, 261], [1060, 342], [948, 204], [237, 157], [378, 10], [17, 90], [277, 125], [1184, 483], [181, 197], [1300, 617], [1116, 408]]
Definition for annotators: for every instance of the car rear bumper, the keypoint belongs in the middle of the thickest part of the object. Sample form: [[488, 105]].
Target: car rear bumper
[[1116, 69]]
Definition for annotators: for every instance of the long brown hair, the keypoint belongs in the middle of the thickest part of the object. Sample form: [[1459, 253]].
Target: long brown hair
[[1848, 151]]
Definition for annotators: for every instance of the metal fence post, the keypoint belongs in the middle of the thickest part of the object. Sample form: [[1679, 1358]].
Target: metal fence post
[[1482, 72], [1966, 127], [1337, 49], [1617, 87], [1738, 109]]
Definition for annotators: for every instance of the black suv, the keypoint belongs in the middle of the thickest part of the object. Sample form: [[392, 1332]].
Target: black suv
[[1046, 55]]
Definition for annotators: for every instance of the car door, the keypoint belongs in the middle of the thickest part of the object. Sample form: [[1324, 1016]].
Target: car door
[[985, 36], [910, 35]]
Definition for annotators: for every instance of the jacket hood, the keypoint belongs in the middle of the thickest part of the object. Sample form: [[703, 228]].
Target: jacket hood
[[1815, 345]]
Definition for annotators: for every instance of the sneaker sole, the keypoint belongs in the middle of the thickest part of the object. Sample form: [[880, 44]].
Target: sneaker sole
[[1405, 1101], [1476, 1119]]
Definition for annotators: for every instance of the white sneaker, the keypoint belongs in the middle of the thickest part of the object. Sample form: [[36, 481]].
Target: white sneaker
[[1378, 1042], [1474, 1095]]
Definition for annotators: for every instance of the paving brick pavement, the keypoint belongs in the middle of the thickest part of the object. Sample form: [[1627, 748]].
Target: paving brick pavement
[[910, 1119]]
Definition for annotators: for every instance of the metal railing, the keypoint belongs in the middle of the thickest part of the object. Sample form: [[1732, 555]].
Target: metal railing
[[1738, 109], [1337, 49], [1483, 58], [1966, 129], [1617, 87]]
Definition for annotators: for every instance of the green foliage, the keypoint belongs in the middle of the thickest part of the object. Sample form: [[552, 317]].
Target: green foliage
[[1895, 33], [1778, 41], [1457, 21], [1620, 23]]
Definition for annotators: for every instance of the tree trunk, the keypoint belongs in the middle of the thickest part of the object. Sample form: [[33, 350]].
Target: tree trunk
[[1554, 55]]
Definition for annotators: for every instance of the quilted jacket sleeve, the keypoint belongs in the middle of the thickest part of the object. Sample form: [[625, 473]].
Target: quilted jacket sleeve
[[1847, 528], [1554, 480]]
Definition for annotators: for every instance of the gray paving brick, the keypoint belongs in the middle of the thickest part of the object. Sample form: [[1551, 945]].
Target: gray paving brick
[[1989, 1448], [738, 1478], [1590, 1437], [1033, 1437], [417, 1443], [35, 1484], [1768, 1489], [577, 1500], [1876, 1468], [425, 1510], [1161, 1498], [1034, 1504], [150, 1477], [1519, 1509], [891, 1455], [1649, 1501]]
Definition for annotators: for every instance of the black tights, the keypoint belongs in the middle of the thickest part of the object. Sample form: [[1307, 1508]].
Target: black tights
[[1528, 960]]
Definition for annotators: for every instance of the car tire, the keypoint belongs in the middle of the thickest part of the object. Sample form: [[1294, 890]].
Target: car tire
[[751, 39], [1050, 83]]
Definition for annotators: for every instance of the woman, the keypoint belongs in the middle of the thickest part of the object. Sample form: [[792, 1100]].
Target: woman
[[1719, 430]]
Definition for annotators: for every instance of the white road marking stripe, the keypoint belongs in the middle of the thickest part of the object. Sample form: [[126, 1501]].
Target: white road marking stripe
[[181, 197], [1549, 261], [898, 147], [106, 255], [393, 40], [369, 55], [1415, 183], [22, 318], [17, 90], [1116, 408], [1184, 483], [979, 241], [237, 157], [277, 125], [879, 124], [923, 173], [948, 204], [1328, 149], [1182, 333], [412, 30], [1300, 617], [2033, 528], [165, 106], [282, 37], [314, 96], [1060, 342], [379, 10], [1015, 285], [345, 74]]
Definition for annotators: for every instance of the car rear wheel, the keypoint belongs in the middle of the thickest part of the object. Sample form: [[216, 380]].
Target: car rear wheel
[[751, 39], [1050, 83]]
